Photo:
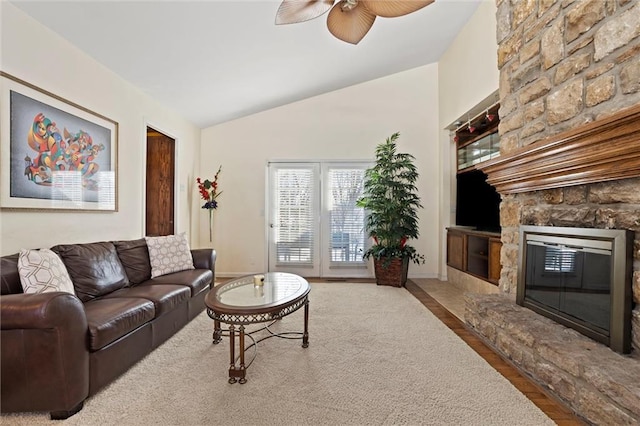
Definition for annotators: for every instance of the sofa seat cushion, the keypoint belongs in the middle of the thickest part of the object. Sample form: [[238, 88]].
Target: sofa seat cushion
[[196, 279], [165, 297], [95, 268], [110, 319]]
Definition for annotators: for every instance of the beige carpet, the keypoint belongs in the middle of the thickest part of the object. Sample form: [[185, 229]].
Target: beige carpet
[[376, 357]]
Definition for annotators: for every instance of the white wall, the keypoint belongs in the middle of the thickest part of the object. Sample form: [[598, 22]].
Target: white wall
[[33, 53], [345, 124], [468, 75], [469, 67]]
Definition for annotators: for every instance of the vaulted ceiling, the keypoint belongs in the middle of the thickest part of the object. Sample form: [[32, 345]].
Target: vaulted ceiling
[[215, 61]]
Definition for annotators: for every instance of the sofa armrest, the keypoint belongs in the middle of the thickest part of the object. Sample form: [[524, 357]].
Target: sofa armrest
[[43, 310], [44, 357], [205, 259]]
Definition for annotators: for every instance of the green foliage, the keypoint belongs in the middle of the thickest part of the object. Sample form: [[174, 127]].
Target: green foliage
[[391, 203]]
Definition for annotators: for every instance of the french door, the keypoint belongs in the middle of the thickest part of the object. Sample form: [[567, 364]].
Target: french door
[[315, 227]]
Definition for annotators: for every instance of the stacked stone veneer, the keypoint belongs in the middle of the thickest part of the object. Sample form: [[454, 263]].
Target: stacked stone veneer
[[562, 64], [600, 385]]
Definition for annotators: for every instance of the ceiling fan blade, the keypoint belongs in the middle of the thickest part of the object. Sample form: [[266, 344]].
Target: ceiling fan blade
[[294, 11], [393, 8], [349, 25]]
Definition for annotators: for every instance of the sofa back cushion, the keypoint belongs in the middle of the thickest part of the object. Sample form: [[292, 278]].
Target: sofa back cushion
[[42, 271], [134, 256], [9, 275], [95, 268], [170, 253]]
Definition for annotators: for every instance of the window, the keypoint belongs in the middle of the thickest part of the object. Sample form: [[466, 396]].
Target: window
[[346, 219], [294, 204]]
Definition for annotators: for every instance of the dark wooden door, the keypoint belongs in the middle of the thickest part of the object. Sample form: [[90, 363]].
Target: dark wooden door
[[160, 183]]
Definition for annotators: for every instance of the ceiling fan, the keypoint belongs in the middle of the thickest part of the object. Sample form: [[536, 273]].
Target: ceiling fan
[[348, 20]]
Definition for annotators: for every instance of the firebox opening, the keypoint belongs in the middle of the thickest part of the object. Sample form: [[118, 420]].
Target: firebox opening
[[581, 278]]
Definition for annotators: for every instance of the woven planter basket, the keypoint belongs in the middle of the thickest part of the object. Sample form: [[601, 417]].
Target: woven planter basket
[[395, 274]]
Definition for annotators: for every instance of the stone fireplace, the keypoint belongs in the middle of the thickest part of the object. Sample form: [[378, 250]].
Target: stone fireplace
[[579, 277], [570, 157]]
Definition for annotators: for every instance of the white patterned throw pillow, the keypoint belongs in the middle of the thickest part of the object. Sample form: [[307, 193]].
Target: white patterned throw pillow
[[42, 271], [169, 254]]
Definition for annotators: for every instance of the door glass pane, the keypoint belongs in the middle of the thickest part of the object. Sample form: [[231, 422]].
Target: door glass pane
[[346, 238], [294, 215]]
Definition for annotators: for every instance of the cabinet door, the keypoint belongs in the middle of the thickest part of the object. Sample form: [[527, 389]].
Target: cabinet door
[[495, 245], [478, 256], [455, 250]]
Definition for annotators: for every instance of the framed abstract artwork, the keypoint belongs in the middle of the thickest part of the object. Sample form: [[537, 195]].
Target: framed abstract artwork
[[54, 154]]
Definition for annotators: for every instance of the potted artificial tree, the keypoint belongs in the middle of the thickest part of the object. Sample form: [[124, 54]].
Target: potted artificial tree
[[391, 202]]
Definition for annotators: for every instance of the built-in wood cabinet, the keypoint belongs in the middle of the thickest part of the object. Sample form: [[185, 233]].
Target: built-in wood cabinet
[[455, 250], [475, 252], [495, 246]]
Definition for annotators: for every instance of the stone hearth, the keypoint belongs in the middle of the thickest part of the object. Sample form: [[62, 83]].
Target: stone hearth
[[602, 386], [565, 66]]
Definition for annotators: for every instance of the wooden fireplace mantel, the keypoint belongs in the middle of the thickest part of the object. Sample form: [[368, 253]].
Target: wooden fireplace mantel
[[603, 150]]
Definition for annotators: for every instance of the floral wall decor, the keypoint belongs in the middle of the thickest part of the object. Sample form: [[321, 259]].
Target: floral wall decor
[[209, 193]]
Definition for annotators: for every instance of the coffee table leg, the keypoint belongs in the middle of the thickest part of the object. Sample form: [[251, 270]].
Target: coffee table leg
[[305, 335], [236, 373], [243, 369], [232, 354], [217, 332]]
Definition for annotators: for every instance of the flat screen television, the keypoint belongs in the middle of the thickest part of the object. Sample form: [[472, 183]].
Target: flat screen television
[[477, 202]]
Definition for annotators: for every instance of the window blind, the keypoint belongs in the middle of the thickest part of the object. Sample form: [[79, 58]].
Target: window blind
[[347, 238], [294, 215]]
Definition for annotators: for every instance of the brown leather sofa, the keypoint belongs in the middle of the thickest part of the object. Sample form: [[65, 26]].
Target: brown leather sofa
[[57, 348]]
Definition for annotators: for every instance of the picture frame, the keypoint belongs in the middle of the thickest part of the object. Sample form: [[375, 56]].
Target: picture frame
[[54, 154]]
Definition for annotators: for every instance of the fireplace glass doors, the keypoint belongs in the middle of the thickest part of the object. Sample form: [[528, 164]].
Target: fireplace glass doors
[[580, 278]]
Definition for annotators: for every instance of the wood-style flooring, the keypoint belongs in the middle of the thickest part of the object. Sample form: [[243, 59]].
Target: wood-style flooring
[[554, 409]]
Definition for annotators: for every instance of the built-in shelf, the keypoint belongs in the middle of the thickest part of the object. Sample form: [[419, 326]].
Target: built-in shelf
[[479, 255], [481, 150], [475, 252]]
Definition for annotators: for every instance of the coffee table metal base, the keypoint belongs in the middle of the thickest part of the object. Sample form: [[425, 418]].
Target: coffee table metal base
[[237, 365]]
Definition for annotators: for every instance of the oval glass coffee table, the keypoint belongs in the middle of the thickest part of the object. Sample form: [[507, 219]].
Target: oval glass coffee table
[[241, 302]]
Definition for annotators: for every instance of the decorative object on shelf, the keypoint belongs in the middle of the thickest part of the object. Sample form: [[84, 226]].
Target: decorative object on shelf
[[55, 154], [391, 203], [209, 193], [348, 20]]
